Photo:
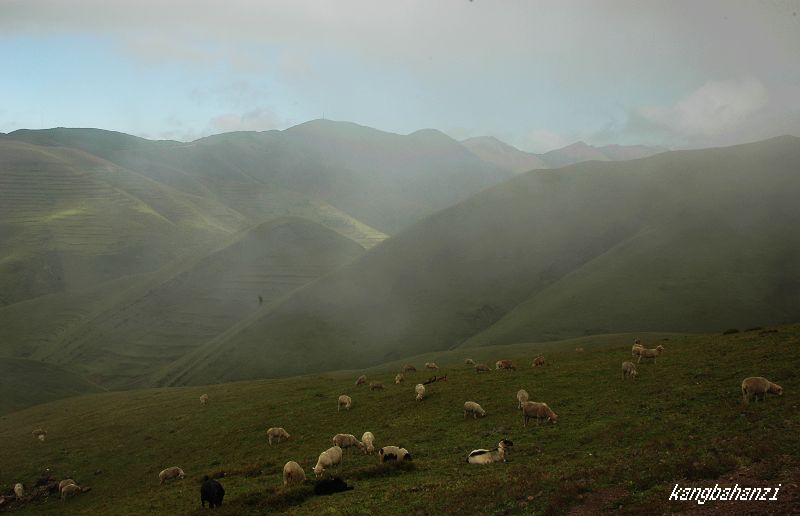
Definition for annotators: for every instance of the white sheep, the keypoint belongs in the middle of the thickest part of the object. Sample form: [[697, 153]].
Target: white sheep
[[505, 364], [64, 483], [293, 474], [41, 437], [346, 441], [636, 349], [533, 409], [204, 399], [522, 397], [328, 459], [538, 361], [483, 456], [19, 491], [39, 433], [629, 370], [469, 361], [759, 386], [369, 442], [399, 378], [482, 368], [470, 407], [70, 490], [344, 401], [420, 390], [277, 433], [393, 453], [173, 472], [431, 365], [361, 380], [375, 386], [650, 353]]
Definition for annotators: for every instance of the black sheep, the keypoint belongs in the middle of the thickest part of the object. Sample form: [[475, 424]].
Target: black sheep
[[212, 492], [329, 486]]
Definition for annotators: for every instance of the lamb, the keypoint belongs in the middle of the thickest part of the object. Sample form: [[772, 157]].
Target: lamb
[[277, 433], [636, 349], [538, 361], [629, 370], [504, 364], [169, 473], [344, 401], [399, 378], [346, 441], [328, 459], [293, 474], [70, 490], [759, 386], [212, 492], [361, 380], [431, 365], [368, 440], [522, 397], [470, 407], [420, 390], [64, 483], [393, 453], [469, 361], [19, 491], [408, 368], [650, 353], [204, 399], [482, 368], [489, 456], [533, 409], [375, 386]]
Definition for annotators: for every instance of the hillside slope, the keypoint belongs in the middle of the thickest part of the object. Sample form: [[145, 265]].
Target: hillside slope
[[682, 241]]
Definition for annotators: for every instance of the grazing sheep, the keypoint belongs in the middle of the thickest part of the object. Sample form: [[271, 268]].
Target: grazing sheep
[[328, 459], [489, 456], [759, 386], [504, 364], [533, 409], [293, 474], [420, 390], [628, 369], [277, 433], [538, 361], [392, 453], [70, 490], [346, 441], [408, 368], [19, 491], [173, 472], [399, 378], [522, 397], [344, 401], [369, 442], [212, 492], [431, 365], [64, 483], [469, 361], [650, 353], [39, 434], [636, 349], [470, 407], [482, 368], [375, 386], [361, 380], [204, 399], [328, 486]]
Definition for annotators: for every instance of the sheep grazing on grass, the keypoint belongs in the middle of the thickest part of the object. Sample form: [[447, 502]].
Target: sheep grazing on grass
[[420, 390], [293, 474], [399, 378], [650, 353], [482, 368], [629, 370], [533, 409], [431, 365], [469, 361], [70, 490], [64, 483], [375, 386], [277, 433], [39, 434], [408, 368], [344, 401], [327, 460], [347, 441], [212, 492], [637, 348], [369, 442], [522, 397], [759, 386], [538, 361], [470, 407], [19, 491], [361, 380], [489, 456], [393, 453], [169, 473], [204, 399], [504, 364]]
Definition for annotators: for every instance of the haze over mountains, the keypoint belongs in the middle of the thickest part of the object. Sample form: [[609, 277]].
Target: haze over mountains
[[331, 245]]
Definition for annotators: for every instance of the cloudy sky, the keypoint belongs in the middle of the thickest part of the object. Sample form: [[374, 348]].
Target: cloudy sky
[[538, 75]]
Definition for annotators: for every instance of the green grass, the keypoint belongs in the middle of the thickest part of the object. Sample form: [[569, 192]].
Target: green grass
[[24, 383], [682, 419]]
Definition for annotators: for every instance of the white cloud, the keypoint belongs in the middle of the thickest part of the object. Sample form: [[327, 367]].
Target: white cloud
[[258, 119]]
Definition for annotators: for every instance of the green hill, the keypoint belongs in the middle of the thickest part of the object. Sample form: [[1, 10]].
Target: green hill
[[617, 443], [682, 241]]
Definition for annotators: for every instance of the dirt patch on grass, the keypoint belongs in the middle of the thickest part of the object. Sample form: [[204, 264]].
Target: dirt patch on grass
[[598, 501]]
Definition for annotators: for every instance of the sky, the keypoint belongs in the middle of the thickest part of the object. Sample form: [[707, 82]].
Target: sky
[[538, 75]]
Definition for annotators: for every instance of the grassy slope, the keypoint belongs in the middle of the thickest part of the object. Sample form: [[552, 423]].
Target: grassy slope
[[682, 419], [700, 240]]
